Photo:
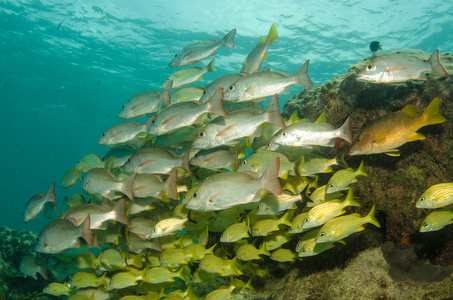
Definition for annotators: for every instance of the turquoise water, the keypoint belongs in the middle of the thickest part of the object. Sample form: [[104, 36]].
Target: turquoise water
[[67, 67]]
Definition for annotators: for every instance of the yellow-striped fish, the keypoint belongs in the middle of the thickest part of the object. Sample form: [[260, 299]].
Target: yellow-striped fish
[[438, 195], [311, 248], [271, 204], [235, 232], [249, 252], [437, 220], [343, 178], [57, 289], [185, 76], [222, 293], [312, 164], [186, 94], [389, 132], [264, 227], [253, 61], [319, 196], [326, 211], [168, 227], [84, 279], [341, 227], [259, 161], [160, 274], [276, 240], [297, 223]]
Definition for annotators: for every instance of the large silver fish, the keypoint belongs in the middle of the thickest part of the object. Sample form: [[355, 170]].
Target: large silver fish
[[256, 57], [266, 83], [62, 234], [221, 82], [238, 124], [143, 103], [106, 184], [124, 132], [184, 114], [225, 190], [196, 52], [400, 68]]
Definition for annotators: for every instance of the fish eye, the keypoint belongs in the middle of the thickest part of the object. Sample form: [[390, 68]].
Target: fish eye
[[370, 67], [322, 234], [37, 239], [123, 106], [268, 145], [154, 230], [306, 220], [204, 93], [359, 139], [299, 245], [425, 225], [176, 55], [168, 78], [231, 87], [331, 186], [303, 250], [244, 162], [422, 199], [195, 195], [153, 121], [222, 235], [103, 134], [284, 133], [129, 160], [201, 134]]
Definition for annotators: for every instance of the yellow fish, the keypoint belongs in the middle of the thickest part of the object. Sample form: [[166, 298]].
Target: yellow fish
[[438, 195], [256, 57], [185, 76], [343, 178], [391, 131], [437, 220]]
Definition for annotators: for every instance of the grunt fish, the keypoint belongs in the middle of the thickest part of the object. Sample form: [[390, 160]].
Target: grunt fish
[[186, 76], [143, 104], [438, 195], [39, 202], [437, 220], [392, 68], [343, 178], [256, 57], [106, 184]]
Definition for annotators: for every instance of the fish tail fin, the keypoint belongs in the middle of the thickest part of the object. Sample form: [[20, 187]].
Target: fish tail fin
[[273, 111], [96, 241], [108, 164], [142, 275], [272, 35], [344, 131], [431, 115], [85, 231], [340, 160], [185, 161], [43, 271], [361, 170], [171, 186], [270, 177], [263, 250], [350, 199], [147, 124], [128, 186], [302, 77], [51, 194], [119, 212], [228, 39], [371, 217], [215, 103], [136, 261], [210, 66], [435, 64], [285, 219], [165, 97], [233, 268]]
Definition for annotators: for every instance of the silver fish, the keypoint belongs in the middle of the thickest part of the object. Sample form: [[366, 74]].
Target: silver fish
[[196, 52], [39, 202], [124, 132], [143, 104], [99, 181], [400, 68], [256, 57]]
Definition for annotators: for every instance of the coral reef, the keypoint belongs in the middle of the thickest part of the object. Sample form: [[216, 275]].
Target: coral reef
[[15, 245]]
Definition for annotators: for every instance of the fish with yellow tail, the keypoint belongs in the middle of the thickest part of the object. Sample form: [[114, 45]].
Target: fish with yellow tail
[[438, 195], [256, 57], [392, 68], [343, 178], [391, 131], [437, 220], [341, 227], [194, 53]]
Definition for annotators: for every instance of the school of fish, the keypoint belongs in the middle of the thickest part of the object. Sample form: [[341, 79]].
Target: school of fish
[[213, 182]]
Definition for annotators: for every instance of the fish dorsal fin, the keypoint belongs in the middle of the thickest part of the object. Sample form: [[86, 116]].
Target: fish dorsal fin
[[410, 110], [322, 118]]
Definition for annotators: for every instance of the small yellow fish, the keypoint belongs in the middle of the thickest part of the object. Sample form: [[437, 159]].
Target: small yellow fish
[[311, 248], [172, 257], [319, 196], [311, 164], [112, 259], [186, 94], [391, 131], [283, 255], [57, 289], [185, 76], [84, 279], [438, 195], [168, 226], [343, 178], [341, 227], [271, 204], [214, 264], [264, 227], [128, 278], [160, 274], [297, 223], [235, 232], [248, 252], [437, 220], [276, 239], [222, 293], [326, 211], [70, 177], [259, 161]]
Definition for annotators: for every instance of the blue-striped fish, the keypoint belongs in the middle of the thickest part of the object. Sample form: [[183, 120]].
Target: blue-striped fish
[[341, 227], [437, 220], [438, 195], [343, 178]]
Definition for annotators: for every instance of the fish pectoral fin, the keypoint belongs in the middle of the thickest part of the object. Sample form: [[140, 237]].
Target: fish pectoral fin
[[225, 131], [146, 162], [380, 137], [250, 89], [415, 137], [392, 152], [117, 134], [360, 229], [191, 52], [171, 119]]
